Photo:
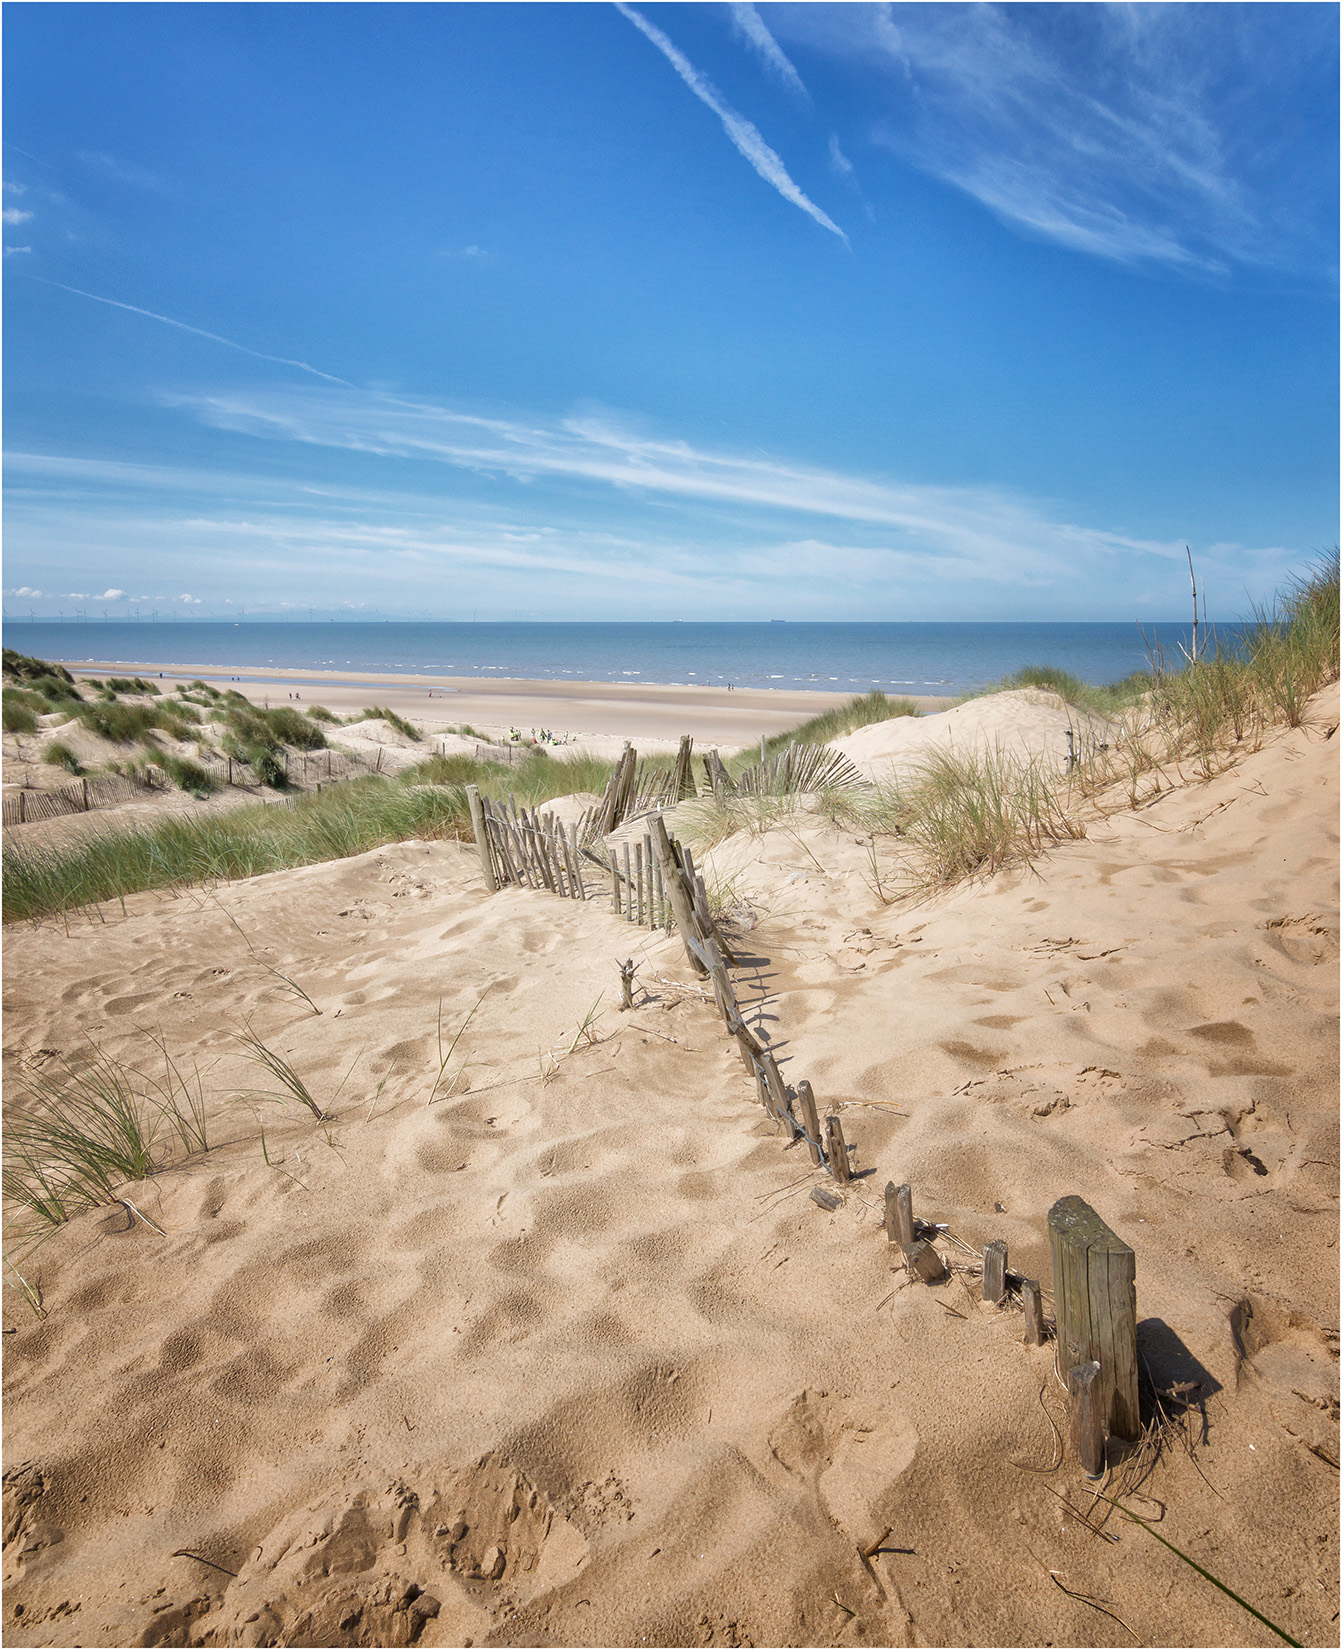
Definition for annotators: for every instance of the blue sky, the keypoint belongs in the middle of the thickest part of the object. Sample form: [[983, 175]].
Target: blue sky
[[833, 311]]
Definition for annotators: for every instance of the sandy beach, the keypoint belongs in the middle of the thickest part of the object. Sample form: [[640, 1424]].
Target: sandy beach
[[572, 709], [548, 1344]]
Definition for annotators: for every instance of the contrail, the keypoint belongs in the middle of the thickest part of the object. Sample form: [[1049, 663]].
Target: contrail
[[752, 26], [280, 360], [743, 134]]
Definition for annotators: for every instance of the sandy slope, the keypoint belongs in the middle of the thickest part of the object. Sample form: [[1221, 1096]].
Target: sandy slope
[[577, 1357], [1028, 724]]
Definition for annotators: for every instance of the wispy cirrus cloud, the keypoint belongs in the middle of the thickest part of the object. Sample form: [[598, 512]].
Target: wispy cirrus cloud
[[604, 520], [1006, 537], [743, 133], [199, 332], [751, 26], [1138, 134]]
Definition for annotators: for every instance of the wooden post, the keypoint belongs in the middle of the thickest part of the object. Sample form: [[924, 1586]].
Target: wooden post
[[1031, 1298], [84, 787], [1095, 1301], [1085, 1382], [481, 838], [1071, 749], [777, 1092], [638, 877], [23, 797], [628, 888], [994, 1271], [899, 1215], [626, 984], [924, 1262], [810, 1121], [764, 750], [614, 883], [836, 1149], [675, 887]]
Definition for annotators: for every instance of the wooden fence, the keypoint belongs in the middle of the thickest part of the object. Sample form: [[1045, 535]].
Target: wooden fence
[[79, 797], [1095, 1302]]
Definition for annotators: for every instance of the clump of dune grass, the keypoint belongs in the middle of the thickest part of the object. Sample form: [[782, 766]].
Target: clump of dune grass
[[970, 813], [78, 1131], [19, 716], [709, 820], [209, 847], [59, 755], [189, 776], [846, 717], [1102, 699], [380, 712], [292, 1086]]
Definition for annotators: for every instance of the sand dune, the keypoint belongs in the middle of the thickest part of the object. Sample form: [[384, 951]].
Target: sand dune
[[569, 1356], [1027, 723]]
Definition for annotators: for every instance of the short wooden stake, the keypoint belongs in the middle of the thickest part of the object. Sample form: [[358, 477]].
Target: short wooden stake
[[826, 1200], [925, 1263], [994, 1271], [481, 838], [1031, 1298], [899, 1215], [627, 984], [1084, 1382], [836, 1149], [1095, 1301], [810, 1120]]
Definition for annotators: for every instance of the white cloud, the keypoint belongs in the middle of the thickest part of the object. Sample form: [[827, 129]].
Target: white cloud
[[112, 595], [1108, 129], [12, 214], [167, 320], [1007, 537], [746, 137], [24, 590], [16, 188], [10, 249], [838, 161], [750, 25], [124, 171]]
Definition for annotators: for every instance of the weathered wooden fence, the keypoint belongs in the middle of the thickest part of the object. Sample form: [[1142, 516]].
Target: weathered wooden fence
[[656, 884], [82, 796]]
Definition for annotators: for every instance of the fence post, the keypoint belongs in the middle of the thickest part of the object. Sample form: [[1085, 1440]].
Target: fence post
[[1033, 1303], [994, 1271], [481, 830], [838, 1150], [675, 887], [811, 1122], [1084, 1383], [1095, 1301], [899, 1215]]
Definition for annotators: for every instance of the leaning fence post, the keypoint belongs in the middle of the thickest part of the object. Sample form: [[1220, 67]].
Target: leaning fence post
[[994, 1271], [1084, 1384], [627, 984], [1095, 1302], [837, 1150], [811, 1122], [481, 837], [675, 887]]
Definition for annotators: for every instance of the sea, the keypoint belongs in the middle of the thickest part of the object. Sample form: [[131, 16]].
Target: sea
[[942, 659]]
